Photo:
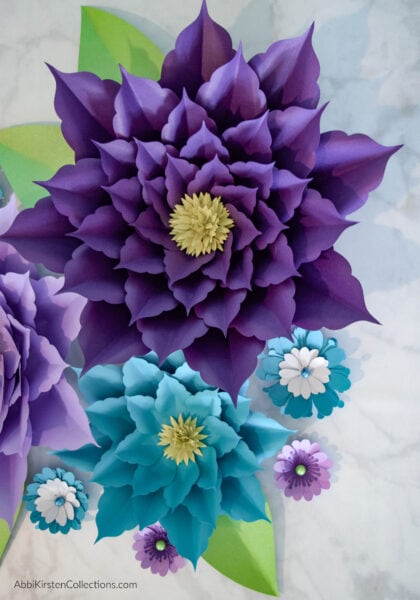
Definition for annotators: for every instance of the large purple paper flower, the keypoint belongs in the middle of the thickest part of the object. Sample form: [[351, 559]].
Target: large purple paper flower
[[37, 405], [202, 209]]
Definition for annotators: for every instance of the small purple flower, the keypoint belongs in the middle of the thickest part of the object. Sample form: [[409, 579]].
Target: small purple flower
[[301, 470], [154, 550]]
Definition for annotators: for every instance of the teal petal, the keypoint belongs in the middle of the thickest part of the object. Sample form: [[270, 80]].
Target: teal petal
[[243, 499], [334, 355], [112, 472], [298, 407], [240, 462], [208, 467], [269, 368], [141, 377], [280, 345], [85, 458], [325, 402], [142, 411], [204, 505], [149, 479], [150, 508], [191, 379], [300, 336], [235, 415], [171, 396], [174, 361], [102, 382], [314, 339], [189, 536], [203, 404], [221, 436], [339, 379], [279, 394], [185, 477], [111, 417], [264, 436], [138, 448], [115, 513]]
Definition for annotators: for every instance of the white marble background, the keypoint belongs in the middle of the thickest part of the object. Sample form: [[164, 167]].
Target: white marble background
[[360, 540]]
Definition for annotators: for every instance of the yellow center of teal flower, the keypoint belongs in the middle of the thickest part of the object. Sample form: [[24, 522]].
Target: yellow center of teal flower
[[200, 224], [182, 439], [160, 545]]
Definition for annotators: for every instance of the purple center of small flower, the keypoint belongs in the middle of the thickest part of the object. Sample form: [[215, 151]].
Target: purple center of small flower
[[60, 501], [160, 545], [300, 470]]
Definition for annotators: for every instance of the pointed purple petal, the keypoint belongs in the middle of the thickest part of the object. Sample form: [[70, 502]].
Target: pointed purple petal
[[150, 160], [348, 167], [211, 174], [148, 296], [243, 198], [178, 175], [268, 224], [126, 198], [192, 290], [218, 268], [199, 50], [179, 265], [288, 72], [220, 308], [274, 264], [203, 146], [85, 105], [185, 120], [117, 159], [254, 175], [250, 140], [151, 228], [103, 231], [327, 294], [13, 471], [244, 232], [241, 269], [140, 256], [286, 193]]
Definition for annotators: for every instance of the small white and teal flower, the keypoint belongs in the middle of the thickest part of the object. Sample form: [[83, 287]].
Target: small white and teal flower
[[56, 500], [305, 372]]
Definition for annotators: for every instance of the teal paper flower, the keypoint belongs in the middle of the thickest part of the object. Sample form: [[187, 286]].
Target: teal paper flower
[[304, 371], [56, 500], [172, 449]]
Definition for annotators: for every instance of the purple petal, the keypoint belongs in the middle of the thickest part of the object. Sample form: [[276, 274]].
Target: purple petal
[[193, 290], [105, 336], [58, 420], [218, 268], [148, 296], [288, 72], [76, 190], [126, 197], [178, 174], [199, 50], [243, 198], [241, 269], [268, 224], [142, 107], [275, 264], [254, 175], [286, 193], [348, 167], [203, 146], [93, 275], [39, 234], [13, 471], [16, 428], [44, 365], [267, 313], [250, 140], [19, 296], [171, 331], [103, 231], [233, 94], [244, 231], [224, 362], [117, 158], [327, 295], [151, 228], [85, 105], [179, 265], [154, 194], [140, 256], [296, 134], [213, 173], [150, 160], [185, 120], [220, 308], [317, 226]]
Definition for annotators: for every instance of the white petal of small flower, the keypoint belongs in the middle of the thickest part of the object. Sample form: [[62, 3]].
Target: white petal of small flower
[[316, 386], [61, 517], [69, 510], [291, 361], [50, 514], [304, 372], [294, 386], [48, 493]]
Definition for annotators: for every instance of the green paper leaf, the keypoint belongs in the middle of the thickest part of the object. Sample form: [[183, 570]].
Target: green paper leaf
[[5, 533], [106, 41], [245, 553], [31, 153]]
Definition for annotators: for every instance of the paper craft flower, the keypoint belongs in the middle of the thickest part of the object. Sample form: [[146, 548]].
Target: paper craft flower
[[56, 500], [154, 550], [301, 470], [304, 371], [202, 209], [172, 449], [37, 405]]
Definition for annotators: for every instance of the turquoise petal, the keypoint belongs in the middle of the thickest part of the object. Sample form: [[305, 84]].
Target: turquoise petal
[[280, 345], [204, 505], [115, 513], [111, 417], [171, 396], [240, 462], [243, 499], [191, 379], [173, 361], [314, 339], [141, 377], [208, 467], [279, 394], [264, 436], [85, 458], [221, 436], [189, 536], [138, 448], [325, 402], [334, 356], [235, 415], [203, 404], [142, 411], [185, 477], [298, 407], [269, 368], [339, 379], [112, 472], [150, 508], [102, 382], [151, 478]]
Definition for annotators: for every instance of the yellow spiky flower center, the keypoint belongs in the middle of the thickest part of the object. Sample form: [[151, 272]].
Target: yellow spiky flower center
[[200, 224], [183, 439]]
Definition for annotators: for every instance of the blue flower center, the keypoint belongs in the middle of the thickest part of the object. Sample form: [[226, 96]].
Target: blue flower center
[[160, 545], [305, 372], [60, 501], [300, 470]]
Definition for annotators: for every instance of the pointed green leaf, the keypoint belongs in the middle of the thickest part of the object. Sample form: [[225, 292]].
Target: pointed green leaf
[[31, 153], [106, 41], [5, 533], [245, 553]]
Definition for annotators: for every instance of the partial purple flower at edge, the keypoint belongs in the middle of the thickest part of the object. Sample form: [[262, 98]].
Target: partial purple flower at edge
[[154, 550], [245, 139]]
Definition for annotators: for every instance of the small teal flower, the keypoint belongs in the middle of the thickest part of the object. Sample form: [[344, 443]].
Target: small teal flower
[[304, 371], [56, 500], [172, 449]]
